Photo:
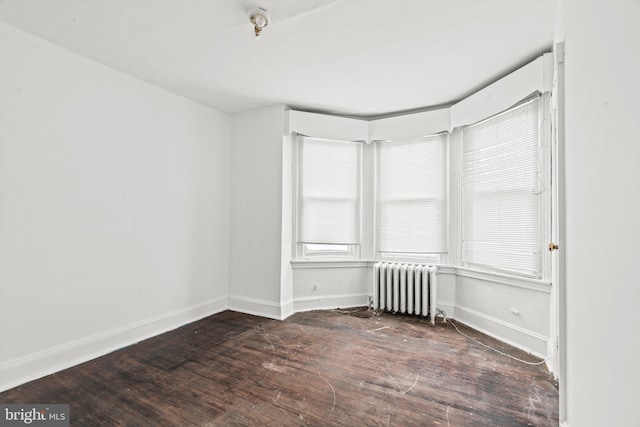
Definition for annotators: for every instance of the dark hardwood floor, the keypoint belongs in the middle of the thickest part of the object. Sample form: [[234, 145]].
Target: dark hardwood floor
[[317, 368]]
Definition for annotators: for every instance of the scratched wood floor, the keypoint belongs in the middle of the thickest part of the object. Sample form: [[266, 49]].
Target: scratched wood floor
[[317, 368]]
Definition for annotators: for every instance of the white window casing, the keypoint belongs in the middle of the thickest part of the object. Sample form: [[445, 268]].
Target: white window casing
[[411, 199], [329, 199], [502, 192]]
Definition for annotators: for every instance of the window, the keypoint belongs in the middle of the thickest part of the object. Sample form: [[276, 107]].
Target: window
[[329, 180], [412, 199], [501, 192]]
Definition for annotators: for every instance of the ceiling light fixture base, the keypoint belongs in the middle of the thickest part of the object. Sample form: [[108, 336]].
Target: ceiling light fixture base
[[260, 18]]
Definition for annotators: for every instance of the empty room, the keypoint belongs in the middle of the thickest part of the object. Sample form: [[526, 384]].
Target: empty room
[[319, 212]]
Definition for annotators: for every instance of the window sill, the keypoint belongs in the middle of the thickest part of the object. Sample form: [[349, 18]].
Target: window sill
[[333, 263], [354, 263], [539, 285], [505, 279]]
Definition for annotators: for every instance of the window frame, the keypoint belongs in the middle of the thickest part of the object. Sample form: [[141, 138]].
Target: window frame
[[543, 219], [409, 257], [305, 251]]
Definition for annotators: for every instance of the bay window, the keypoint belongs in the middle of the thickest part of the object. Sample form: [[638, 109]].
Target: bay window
[[392, 199]]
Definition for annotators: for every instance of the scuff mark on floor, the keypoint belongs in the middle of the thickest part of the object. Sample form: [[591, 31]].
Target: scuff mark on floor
[[334, 394], [414, 384], [378, 329]]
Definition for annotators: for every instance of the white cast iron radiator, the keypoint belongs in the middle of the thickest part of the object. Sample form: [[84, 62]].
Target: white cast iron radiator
[[405, 288]]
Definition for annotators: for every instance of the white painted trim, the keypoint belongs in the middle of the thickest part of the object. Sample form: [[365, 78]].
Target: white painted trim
[[560, 274], [549, 364], [326, 126], [548, 71], [504, 93], [299, 264], [410, 125], [327, 302], [446, 269], [505, 279], [258, 307], [287, 309], [66, 355], [483, 323]]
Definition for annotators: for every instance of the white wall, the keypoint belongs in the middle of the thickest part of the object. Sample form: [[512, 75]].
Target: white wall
[[318, 287], [513, 310], [114, 209], [602, 152], [256, 212], [324, 288]]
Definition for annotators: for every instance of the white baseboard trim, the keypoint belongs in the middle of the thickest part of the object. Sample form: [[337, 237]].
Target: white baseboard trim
[[66, 355], [260, 307], [325, 302], [524, 339], [286, 309]]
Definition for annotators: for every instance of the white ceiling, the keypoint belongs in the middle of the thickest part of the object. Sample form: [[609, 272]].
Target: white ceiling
[[351, 57]]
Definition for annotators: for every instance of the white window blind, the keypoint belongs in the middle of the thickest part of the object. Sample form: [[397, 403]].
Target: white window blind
[[412, 195], [329, 177], [501, 192]]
